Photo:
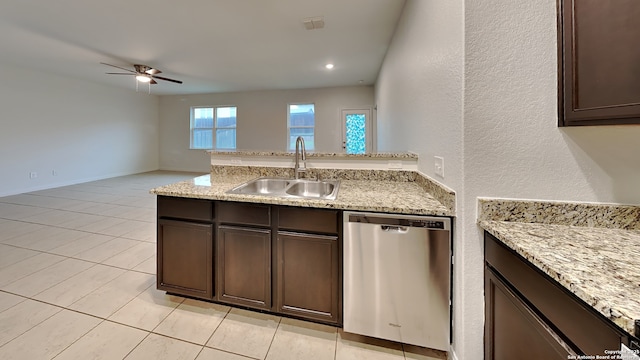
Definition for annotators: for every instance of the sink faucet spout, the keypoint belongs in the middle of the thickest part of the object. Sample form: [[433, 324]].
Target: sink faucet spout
[[301, 154]]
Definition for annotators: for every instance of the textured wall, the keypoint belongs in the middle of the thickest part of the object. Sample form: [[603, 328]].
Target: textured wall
[[419, 94], [262, 120], [502, 139], [82, 130]]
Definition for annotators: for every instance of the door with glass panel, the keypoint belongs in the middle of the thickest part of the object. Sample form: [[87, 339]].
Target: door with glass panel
[[356, 131]]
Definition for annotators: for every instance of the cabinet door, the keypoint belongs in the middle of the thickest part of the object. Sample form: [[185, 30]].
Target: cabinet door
[[309, 275], [598, 67], [185, 258], [513, 331], [244, 266]]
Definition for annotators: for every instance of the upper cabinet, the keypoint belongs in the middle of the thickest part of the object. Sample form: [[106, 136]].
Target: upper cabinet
[[599, 62]]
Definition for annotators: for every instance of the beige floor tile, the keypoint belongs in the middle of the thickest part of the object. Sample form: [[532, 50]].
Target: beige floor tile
[[50, 238], [78, 286], [22, 317], [79, 220], [9, 300], [106, 250], [85, 243], [106, 341], [147, 310], [50, 217], [10, 228], [133, 256], [413, 352], [214, 354], [99, 226], [193, 321], [297, 339], [357, 347], [157, 347], [27, 267], [119, 291], [20, 212], [49, 338], [148, 266], [10, 255], [123, 228], [48, 277], [245, 333], [144, 232]]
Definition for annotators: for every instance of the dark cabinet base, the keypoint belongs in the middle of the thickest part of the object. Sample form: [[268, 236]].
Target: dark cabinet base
[[184, 260], [278, 259]]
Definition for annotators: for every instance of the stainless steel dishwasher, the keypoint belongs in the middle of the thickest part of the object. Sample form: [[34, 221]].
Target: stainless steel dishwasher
[[397, 278]]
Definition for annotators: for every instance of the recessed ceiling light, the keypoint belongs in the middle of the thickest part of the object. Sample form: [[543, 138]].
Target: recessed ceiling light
[[329, 66]]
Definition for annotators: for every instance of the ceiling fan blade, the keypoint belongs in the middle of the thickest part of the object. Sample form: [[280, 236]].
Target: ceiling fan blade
[[129, 70], [153, 82], [146, 69], [120, 73], [167, 79]]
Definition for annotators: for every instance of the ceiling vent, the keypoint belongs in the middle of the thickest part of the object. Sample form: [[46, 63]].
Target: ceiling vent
[[313, 23]]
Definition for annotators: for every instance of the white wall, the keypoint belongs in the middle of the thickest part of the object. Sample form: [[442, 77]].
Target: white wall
[[82, 130], [511, 145], [262, 121], [419, 98]]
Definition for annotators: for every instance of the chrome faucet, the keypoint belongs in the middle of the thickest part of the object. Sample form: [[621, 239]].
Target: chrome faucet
[[298, 169]]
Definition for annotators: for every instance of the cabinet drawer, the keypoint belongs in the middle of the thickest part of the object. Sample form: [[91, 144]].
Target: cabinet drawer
[[244, 213], [308, 219], [587, 330], [185, 208]]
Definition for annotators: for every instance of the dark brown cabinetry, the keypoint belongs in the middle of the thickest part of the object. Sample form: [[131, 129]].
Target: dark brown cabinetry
[[244, 266], [598, 62], [281, 259], [309, 271], [185, 247], [528, 313]]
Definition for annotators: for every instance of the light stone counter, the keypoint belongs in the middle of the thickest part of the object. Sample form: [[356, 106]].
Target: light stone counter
[[600, 265], [392, 195]]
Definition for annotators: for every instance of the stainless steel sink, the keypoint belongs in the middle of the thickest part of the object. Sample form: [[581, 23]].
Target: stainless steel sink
[[291, 188], [262, 186]]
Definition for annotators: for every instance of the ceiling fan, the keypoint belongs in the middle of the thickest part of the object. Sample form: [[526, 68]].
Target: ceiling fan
[[143, 73]]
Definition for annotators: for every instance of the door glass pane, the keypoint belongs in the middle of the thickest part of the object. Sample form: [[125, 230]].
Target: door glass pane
[[355, 133]]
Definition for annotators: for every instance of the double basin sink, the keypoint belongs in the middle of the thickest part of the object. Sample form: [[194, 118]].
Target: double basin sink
[[290, 188]]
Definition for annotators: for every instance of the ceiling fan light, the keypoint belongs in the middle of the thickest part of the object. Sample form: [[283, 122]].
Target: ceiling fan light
[[142, 78]]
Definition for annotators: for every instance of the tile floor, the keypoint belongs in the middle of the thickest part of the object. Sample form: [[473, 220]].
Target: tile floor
[[77, 281]]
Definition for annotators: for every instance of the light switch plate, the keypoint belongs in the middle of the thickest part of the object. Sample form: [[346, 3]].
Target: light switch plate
[[439, 166]]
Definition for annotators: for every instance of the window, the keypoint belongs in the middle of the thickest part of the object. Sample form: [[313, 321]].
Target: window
[[301, 122], [213, 127]]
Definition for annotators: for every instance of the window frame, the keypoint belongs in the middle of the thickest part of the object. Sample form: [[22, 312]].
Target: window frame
[[291, 146], [213, 130]]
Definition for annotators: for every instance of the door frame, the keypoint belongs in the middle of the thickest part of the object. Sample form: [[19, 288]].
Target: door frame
[[370, 144]]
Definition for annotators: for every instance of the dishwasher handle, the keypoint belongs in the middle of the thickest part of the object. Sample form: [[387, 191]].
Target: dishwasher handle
[[395, 229]]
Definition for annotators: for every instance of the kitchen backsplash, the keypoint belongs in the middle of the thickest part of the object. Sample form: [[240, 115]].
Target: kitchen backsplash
[[560, 213]]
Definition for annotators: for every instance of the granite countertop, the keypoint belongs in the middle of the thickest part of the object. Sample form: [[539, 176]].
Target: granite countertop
[[311, 154], [403, 197], [597, 264]]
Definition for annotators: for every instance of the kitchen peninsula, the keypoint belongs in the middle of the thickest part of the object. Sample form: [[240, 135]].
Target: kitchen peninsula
[[279, 254]]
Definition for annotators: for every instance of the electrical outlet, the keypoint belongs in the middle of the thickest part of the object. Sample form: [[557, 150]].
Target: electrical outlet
[[439, 166], [395, 164], [33, 175]]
